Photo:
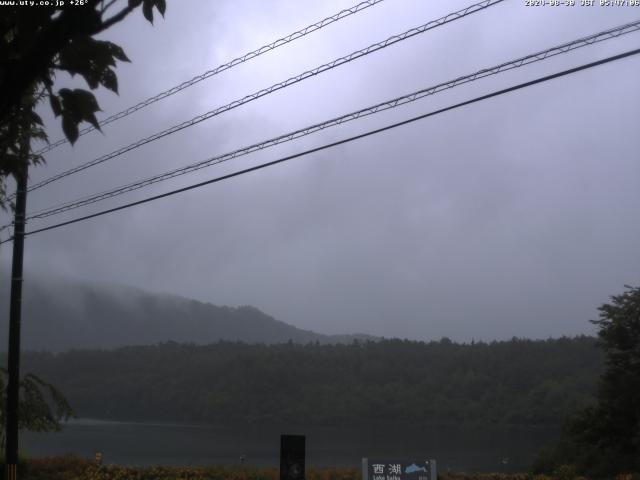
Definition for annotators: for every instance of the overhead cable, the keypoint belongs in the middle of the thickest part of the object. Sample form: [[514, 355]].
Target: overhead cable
[[386, 105], [221, 68], [278, 86], [340, 142]]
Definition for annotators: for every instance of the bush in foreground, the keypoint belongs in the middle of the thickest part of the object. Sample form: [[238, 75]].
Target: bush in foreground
[[74, 468]]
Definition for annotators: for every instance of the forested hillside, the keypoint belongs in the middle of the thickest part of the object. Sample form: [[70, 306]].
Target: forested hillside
[[518, 382]]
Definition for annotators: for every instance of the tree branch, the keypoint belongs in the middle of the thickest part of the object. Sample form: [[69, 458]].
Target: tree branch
[[35, 59], [116, 18], [107, 6]]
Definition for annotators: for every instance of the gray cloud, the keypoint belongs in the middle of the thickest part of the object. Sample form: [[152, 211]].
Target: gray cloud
[[510, 217]]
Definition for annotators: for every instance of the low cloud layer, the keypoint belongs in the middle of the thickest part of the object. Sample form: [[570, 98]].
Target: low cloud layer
[[511, 217]]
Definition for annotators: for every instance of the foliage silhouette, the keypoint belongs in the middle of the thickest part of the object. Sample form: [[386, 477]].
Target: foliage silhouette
[[603, 439], [38, 42], [41, 405]]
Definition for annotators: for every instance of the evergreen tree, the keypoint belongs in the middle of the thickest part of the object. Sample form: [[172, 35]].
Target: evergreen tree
[[604, 440], [613, 425]]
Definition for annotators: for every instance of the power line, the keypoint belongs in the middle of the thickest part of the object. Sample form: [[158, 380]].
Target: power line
[[278, 86], [341, 142], [221, 68], [389, 104]]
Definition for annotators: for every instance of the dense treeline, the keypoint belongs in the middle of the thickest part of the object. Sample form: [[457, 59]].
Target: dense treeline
[[517, 382]]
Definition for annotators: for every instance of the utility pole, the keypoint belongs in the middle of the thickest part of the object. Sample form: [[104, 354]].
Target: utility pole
[[15, 308]]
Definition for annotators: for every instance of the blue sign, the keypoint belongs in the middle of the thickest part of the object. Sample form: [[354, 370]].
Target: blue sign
[[384, 469]]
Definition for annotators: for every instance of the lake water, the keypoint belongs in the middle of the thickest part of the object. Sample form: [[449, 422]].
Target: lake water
[[130, 443]]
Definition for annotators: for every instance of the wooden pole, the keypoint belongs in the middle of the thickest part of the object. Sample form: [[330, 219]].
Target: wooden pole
[[15, 310]]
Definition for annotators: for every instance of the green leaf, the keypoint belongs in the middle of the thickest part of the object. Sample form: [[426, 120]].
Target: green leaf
[[86, 101], [65, 94], [147, 10], [78, 105], [91, 118], [55, 105], [92, 79], [93, 60], [118, 52], [70, 128], [80, 102], [161, 5], [35, 118], [110, 80]]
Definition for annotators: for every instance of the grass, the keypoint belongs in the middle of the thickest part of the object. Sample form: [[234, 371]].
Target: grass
[[75, 468]]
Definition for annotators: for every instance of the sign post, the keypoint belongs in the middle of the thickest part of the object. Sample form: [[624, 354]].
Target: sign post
[[292, 455], [385, 469]]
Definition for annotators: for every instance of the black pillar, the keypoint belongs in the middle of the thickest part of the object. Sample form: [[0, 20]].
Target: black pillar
[[292, 453], [15, 308]]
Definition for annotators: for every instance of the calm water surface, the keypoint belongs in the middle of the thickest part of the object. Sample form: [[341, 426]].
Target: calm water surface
[[188, 445]]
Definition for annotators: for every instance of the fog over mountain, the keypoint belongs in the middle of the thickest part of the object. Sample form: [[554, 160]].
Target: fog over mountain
[[509, 217], [61, 314]]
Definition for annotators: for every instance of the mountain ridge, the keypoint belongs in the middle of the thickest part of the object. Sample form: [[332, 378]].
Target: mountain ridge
[[61, 314]]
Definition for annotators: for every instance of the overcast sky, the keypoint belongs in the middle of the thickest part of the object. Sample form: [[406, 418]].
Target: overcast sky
[[516, 216]]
